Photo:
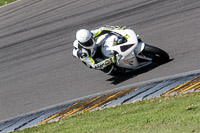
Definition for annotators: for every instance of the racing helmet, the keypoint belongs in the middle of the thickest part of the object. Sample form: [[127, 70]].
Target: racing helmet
[[86, 40]]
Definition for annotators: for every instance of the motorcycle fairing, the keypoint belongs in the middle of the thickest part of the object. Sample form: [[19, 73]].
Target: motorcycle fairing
[[126, 47], [126, 50]]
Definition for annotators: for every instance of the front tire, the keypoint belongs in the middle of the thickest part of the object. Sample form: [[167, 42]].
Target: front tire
[[157, 54]]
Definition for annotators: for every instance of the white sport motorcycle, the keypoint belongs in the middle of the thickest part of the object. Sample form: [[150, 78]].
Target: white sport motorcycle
[[131, 52]]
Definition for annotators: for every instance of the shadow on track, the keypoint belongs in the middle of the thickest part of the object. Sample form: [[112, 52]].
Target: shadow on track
[[119, 78]]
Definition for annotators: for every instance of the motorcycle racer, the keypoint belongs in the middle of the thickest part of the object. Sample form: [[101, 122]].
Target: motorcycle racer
[[87, 48]]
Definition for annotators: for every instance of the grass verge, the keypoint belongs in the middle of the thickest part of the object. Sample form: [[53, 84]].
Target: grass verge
[[3, 2], [171, 114]]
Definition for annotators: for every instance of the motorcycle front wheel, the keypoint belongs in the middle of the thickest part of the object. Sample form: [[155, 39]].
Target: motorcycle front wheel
[[157, 54]]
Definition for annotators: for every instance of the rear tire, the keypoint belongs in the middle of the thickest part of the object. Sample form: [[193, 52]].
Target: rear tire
[[157, 54]]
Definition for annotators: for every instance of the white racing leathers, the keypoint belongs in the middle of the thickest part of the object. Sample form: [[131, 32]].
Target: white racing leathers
[[90, 57]]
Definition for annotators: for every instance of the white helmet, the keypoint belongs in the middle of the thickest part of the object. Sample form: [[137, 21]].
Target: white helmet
[[85, 39]]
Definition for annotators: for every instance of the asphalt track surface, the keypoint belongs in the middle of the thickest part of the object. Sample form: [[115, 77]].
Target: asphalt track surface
[[36, 64]]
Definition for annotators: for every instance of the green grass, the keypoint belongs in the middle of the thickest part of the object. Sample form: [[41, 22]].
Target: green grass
[[3, 2], [174, 114]]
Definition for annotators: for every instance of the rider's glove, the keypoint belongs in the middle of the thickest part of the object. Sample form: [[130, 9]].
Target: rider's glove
[[117, 56]]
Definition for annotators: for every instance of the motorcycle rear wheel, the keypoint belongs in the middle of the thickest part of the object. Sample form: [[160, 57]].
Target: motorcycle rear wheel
[[157, 54]]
